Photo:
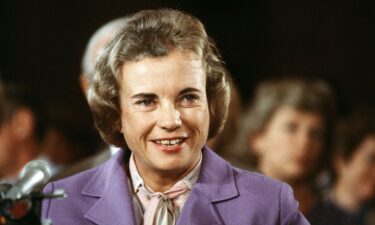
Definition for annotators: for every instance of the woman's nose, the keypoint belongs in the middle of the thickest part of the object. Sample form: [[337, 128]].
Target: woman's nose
[[169, 117]]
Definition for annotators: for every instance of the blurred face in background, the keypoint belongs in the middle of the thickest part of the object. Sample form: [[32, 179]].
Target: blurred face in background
[[8, 140], [165, 115], [17, 142], [290, 145], [357, 173]]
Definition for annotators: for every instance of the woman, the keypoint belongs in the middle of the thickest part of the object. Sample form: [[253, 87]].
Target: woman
[[288, 129], [160, 91]]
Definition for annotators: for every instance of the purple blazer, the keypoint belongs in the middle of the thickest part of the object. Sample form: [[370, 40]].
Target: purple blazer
[[222, 195]]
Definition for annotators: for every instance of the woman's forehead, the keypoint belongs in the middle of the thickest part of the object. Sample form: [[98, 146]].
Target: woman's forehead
[[176, 70]]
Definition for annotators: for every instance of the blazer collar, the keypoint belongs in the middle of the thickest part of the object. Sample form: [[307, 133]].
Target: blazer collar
[[110, 186], [216, 183], [216, 178], [114, 206]]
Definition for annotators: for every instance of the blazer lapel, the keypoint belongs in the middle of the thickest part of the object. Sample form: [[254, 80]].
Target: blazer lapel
[[215, 184], [114, 203], [198, 210], [110, 187]]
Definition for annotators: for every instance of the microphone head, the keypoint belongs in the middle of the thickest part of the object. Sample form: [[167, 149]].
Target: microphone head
[[37, 165], [34, 173]]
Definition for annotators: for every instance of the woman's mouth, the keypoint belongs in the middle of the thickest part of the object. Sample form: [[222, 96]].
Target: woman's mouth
[[170, 145], [169, 142]]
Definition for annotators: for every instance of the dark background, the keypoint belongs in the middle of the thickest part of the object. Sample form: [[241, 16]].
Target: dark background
[[42, 43]]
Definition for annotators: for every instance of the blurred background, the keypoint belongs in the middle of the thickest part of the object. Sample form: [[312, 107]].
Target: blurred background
[[42, 43]]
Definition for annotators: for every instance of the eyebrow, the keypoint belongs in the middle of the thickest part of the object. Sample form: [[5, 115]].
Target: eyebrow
[[151, 95], [189, 89], [144, 95]]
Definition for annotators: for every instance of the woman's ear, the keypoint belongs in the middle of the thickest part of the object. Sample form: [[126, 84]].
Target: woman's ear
[[23, 124]]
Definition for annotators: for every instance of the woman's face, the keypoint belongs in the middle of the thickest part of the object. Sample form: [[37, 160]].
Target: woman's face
[[164, 112], [358, 173], [290, 145]]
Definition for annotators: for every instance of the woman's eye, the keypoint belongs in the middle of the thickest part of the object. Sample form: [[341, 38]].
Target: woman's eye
[[190, 98], [290, 127], [145, 102]]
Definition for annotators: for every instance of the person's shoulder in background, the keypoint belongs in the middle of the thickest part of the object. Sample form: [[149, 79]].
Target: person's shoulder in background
[[325, 212], [85, 164]]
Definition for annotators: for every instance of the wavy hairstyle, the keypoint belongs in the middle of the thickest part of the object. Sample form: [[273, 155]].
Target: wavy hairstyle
[[155, 33], [304, 95]]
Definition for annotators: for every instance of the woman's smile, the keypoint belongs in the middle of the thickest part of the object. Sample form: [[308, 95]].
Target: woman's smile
[[165, 115]]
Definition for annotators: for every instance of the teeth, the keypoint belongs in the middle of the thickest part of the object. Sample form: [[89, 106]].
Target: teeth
[[169, 142]]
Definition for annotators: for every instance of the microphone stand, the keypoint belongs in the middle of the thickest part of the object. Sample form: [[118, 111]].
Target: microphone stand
[[26, 210]]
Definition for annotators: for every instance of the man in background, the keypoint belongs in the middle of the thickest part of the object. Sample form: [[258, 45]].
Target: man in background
[[93, 48], [22, 127]]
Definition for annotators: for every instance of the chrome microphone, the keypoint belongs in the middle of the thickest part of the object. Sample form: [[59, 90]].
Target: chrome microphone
[[35, 173]]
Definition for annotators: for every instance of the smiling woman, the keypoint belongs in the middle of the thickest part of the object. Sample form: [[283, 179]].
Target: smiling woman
[[159, 92], [165, 115]]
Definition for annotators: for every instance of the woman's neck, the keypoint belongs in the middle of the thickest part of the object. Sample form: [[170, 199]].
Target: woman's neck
[[159, 182], [162, 180]]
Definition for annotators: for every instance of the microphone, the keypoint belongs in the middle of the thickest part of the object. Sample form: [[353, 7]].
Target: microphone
[[34, 173]]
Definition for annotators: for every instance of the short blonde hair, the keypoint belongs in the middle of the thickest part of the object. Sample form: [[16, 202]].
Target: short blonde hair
[[155, 33]]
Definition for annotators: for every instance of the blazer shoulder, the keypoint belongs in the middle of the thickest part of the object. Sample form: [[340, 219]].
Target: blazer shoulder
[[267, 198], [256, 181], [265, 189], [69, 210]]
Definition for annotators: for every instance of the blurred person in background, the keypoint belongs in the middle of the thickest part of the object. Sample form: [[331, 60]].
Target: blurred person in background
[[223, 142], [288, 132], [94, 46], [67, 141], [353, 189], [22, 128]]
